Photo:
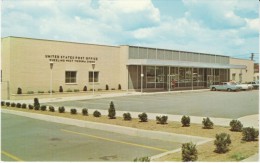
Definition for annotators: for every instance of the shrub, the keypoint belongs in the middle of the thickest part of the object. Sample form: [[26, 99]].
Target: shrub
[[113, 89], [96, 113], [30, 106], [76, 90], [119, 86], [112, 111], [37, 107], [222, 142], [13, 104], [189, 152], [236, 125], [69, 90], [18, 105], [61, 109], [51, 109], [73, 111], [36, 102], [61, 89], [24, 106], [107, 88], [51, 91], [249, 134], [185, 120], [40, 91], [99, 89], [162, 119], [207, 123], [85, 111], [143, 117], [19, 90], [43, 108], [142, 159], [2, 103], [85, 88], [7, 104], [127, 116], [30, 92]]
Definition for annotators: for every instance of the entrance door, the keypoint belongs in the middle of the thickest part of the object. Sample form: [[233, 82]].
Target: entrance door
[[209, 80], [171, 82]]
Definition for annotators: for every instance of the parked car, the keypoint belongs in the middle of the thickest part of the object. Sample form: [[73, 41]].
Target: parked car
[[226, 86], [244, 86], [255, 84]]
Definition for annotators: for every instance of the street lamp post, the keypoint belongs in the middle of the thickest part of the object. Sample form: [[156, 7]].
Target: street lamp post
[[51, 67], [93, 67]]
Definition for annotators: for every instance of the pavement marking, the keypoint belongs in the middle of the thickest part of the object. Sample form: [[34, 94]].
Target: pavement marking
[[11, 156], [116, 141]]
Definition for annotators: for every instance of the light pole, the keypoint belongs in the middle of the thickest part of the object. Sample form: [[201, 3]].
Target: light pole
[[51, 66], [93, 67]]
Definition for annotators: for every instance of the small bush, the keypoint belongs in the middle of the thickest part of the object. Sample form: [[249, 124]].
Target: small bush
[[238, 156], [222, 142], [142, 159], [36, 102], [236, 125], [207, 123], [76, 90], [37, 107], [60, 89], [107, 88], [143, 117], [69, 90], [127, 117], [30, 106], [162, 119], [61, 109], [2, 103], [73, 111], [7, 104], [185, 120], [96, 113], [13, 104], [51, 91], [85, 88], [24, 106], [51, 109], [85, 111], [30, 92], [112, 111], [19, 91], [18, 105], [113, 89], [189, 152], [40, 91], [249, 134], [99, 89], [119, 86], [43, 108]]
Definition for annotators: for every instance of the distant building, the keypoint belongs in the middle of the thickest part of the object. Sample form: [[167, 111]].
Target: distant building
[[26, 65]]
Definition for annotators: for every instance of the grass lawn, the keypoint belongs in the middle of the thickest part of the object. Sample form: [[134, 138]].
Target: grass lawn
[[238, 149]]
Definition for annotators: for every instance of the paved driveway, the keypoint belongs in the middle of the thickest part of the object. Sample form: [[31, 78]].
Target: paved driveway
[[212, 104], [26, 139]]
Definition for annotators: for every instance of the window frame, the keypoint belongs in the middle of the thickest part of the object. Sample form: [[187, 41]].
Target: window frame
[[90, 78], [70, 78]]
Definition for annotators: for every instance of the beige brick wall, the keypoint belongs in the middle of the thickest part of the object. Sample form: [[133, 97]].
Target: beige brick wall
[[30, 70], [247, 74]]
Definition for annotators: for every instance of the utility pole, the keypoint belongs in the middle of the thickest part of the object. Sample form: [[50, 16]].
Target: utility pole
[[252, 56]]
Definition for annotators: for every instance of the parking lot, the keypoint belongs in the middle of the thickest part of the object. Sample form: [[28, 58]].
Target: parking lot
[[26, 139], [219, 104]]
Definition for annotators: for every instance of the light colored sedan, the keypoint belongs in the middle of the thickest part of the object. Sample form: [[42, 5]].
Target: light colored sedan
[[245, 86], [225, 86]]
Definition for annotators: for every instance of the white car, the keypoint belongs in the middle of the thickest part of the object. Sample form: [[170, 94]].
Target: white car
[[245, 86]]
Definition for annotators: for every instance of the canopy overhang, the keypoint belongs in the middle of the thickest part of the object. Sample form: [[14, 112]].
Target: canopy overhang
[[154, 62]]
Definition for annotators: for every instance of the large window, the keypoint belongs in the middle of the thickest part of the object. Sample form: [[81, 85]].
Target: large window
[[96, 76], [70, 76]]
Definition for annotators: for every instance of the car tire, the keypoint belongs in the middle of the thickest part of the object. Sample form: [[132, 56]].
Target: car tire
[[213, 89], [229, 90]]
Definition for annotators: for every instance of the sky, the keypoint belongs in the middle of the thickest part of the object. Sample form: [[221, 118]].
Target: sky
[[224, 27]]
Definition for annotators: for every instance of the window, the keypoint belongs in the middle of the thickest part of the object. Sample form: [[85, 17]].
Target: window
[[234, 76], [70, 76], [90, 76]]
